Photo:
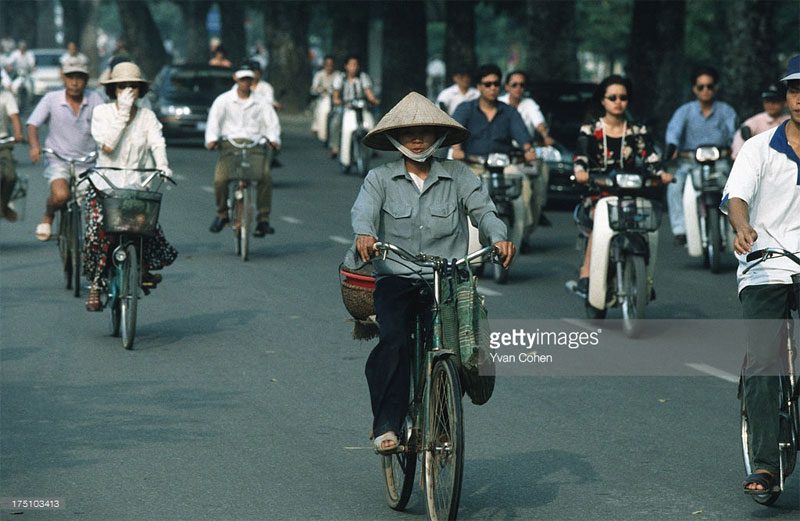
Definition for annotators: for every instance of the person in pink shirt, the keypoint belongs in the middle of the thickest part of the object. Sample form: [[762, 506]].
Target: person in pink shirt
[[774, 114]]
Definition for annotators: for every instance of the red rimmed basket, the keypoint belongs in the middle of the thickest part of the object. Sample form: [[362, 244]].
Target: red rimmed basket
[[357, 290]]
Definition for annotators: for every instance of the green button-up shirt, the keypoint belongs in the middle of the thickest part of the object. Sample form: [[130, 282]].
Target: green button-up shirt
[[433, 221]]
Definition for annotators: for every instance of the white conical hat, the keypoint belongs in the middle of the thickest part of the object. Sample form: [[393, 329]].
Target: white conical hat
[[415, 110]]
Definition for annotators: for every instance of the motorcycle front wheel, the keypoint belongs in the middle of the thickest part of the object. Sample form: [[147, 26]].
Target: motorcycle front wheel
[[634, 286], [714, 247]]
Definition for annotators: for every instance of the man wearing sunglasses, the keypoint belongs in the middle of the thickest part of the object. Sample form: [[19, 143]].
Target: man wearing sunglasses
[[493, 125], [704, 121]]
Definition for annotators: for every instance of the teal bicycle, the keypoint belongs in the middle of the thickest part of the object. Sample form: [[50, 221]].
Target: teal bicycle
[[129, 216], [434, 428]]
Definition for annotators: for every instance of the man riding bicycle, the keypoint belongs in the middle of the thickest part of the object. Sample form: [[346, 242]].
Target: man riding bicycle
[[9, 112], [421, 204], [762, 200], [68, 113], [241, 115]]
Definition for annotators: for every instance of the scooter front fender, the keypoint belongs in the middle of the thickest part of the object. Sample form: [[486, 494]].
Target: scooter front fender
[[691, 218], [602, 234]]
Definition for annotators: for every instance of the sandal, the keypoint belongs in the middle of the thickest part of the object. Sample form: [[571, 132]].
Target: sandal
[[44, 231], [384, 450], [93, 300], [151, 280], [765, 479]]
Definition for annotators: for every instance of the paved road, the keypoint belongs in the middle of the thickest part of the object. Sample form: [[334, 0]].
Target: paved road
[[245, 397]]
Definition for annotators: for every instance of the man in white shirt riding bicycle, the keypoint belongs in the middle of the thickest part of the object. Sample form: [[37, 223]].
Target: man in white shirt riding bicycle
[[241, 115], [762, 200]]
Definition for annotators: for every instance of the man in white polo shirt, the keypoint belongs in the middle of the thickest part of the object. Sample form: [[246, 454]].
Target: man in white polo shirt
[[762, 200]]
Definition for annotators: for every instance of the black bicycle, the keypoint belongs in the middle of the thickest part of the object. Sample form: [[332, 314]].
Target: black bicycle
[[434, 428], [70, 227], [788, 413]]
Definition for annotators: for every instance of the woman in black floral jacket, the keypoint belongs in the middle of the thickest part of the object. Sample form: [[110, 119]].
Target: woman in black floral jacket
[[611, 141]]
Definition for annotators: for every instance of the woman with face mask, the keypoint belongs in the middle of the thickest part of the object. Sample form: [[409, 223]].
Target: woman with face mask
[[419, 203], [128, 136]]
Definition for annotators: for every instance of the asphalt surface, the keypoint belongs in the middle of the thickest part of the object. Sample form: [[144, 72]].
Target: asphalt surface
[[244, 398]]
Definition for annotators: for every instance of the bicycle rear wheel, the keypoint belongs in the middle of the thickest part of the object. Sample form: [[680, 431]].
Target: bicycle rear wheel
[[443, 459], [398, 469], [129, 296]]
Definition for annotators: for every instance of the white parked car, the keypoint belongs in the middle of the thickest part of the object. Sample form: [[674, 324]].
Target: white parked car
[[47, 74]]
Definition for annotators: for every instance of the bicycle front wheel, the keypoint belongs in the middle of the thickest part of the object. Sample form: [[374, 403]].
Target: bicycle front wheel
[[75, 249], [244, 226], [129, 296], [767, 498], [443, 460], [63, 246]]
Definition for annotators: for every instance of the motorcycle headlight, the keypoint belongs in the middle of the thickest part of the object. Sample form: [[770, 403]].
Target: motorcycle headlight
[[498, 160], [175, 110], [629, 181], [706, 154]]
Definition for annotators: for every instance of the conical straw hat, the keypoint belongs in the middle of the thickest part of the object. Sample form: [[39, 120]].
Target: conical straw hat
[[415, 110]]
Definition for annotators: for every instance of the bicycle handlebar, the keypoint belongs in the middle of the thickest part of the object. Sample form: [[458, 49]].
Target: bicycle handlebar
[[262, 141], [762, 255], [155, 172], [86, 159], [431, 261]]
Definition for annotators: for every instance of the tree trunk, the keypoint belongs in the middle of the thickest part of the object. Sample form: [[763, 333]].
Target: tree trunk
[[74, 20], [137, 21], [459, 50], [194, 14], [552, 46], [286, 24], [19, 17], [656, 62], [87, 37], [46, 24], [749, 64], [233, 33], [350, 20], [405, 50]]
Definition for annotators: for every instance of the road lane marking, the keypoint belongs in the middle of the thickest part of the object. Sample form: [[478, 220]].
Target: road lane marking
[[486, 292], [209, 189], [291, 220], [713, 371], [340, 239]]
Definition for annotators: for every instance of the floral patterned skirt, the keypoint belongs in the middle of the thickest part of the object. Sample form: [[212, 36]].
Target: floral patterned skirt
[[97, 244]]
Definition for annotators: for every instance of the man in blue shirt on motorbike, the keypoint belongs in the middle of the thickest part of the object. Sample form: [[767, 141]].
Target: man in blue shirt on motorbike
[[704, 121], [493, 125]]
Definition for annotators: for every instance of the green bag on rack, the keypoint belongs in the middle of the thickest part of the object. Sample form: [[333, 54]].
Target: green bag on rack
[[465, 327]]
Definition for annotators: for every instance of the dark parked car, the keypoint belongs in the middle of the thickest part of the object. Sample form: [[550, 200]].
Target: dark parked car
[[181, 96], [565, 106]]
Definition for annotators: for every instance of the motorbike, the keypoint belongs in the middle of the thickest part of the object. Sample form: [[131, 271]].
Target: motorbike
[[624, 234], [357, 121], [505, 187], [708, 233]]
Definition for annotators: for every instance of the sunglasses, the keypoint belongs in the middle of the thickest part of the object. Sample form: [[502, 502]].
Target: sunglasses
[[488, 84], [515, 85], [613, 98], [704, 86]]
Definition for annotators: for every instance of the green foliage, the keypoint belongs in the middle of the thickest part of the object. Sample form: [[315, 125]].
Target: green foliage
[[603, 27], [499, 34]]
